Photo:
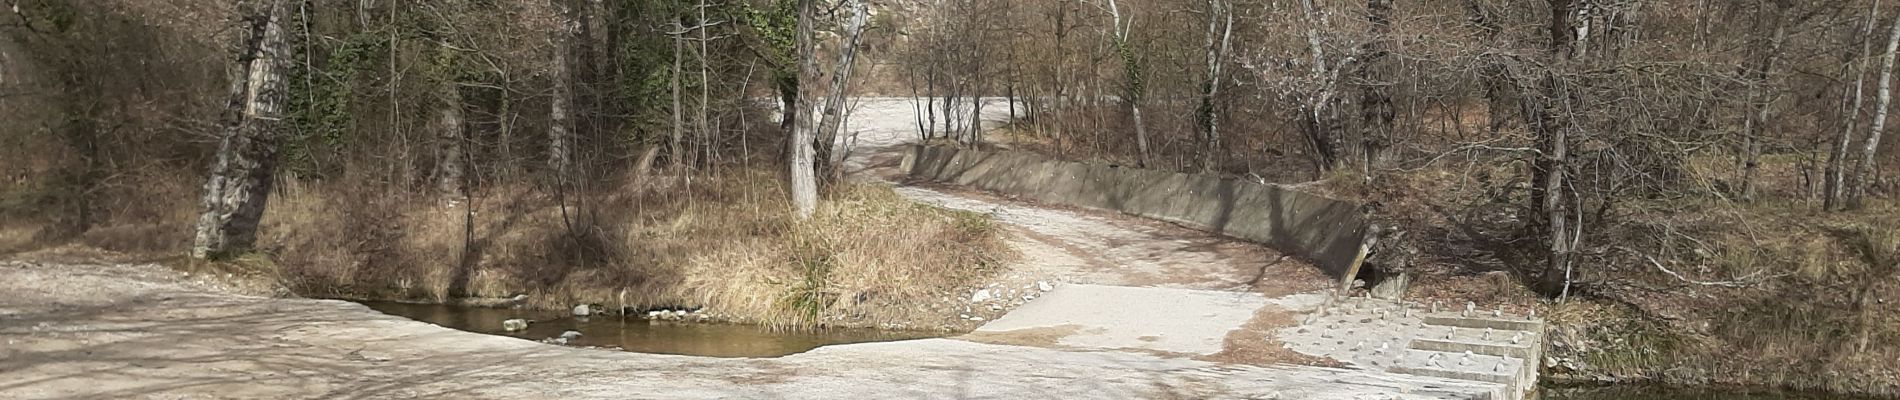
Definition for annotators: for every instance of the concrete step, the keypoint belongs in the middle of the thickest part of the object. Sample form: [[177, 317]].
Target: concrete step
[[1504, 367], [1502, 324], [1520, 351], [1503, 379], [1410, 339]]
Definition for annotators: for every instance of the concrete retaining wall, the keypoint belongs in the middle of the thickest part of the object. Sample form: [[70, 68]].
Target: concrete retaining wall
[[1319, 229]]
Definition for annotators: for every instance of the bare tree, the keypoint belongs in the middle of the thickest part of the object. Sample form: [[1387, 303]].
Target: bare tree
[[830, 153], [560, 124], [1760, 97], [1375, 97], [1863, 168], [240, 182], [1220, 29], [1136, 87], [1838, 152], [1318, 109]]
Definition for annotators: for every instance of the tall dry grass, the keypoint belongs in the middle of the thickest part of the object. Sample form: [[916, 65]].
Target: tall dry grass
[[868, 257]]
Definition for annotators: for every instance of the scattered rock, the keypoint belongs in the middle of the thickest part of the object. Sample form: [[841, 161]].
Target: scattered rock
[[570, 335], [1044, 286], [980, 296], [582, 310], [514, 325]]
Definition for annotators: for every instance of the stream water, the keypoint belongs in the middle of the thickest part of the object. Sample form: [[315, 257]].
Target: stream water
[[727, 340], [1655, 392], [641, 335]]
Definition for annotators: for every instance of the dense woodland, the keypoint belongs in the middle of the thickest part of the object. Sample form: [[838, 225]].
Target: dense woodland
[[1704, 175]]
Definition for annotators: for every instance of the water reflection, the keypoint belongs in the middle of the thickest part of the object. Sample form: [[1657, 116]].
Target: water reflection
[[640, 335]]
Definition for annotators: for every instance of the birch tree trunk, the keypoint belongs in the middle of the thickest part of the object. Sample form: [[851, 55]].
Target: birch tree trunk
[[1863, 169], [804, 181], [828, 128], [240, 182], [1837, 154]]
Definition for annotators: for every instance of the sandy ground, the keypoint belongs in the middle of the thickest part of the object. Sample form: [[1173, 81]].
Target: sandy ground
[[1140, 310]]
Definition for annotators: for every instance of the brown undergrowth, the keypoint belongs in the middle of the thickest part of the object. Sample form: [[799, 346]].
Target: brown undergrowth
[[726, 244], [867, 257]]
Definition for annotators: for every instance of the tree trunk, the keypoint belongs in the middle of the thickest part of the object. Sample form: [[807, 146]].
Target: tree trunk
[[675, 155], [804, 182], [1220, 23], [450, 141], [1375, 99], [560, 125], [240, 182], [1540, 111], [1837, 153], [830, 151], [1320, 119], [1863, 169], [1131, 70], [707, 135], [1760, 97]]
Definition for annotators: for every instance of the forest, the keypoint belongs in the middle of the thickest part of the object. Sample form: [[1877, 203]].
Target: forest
[[1696, 191]]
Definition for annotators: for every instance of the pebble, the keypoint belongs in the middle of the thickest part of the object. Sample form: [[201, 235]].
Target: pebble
[[1044, 286]]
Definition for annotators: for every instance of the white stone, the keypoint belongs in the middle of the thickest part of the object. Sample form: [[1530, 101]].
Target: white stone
[[1044, 286], [513, 325], [582, 310], [570, 335], [980, 296]]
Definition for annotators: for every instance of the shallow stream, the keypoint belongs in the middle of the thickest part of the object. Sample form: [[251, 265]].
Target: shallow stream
[[1655, 392], [641, 335], [728, 340]]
